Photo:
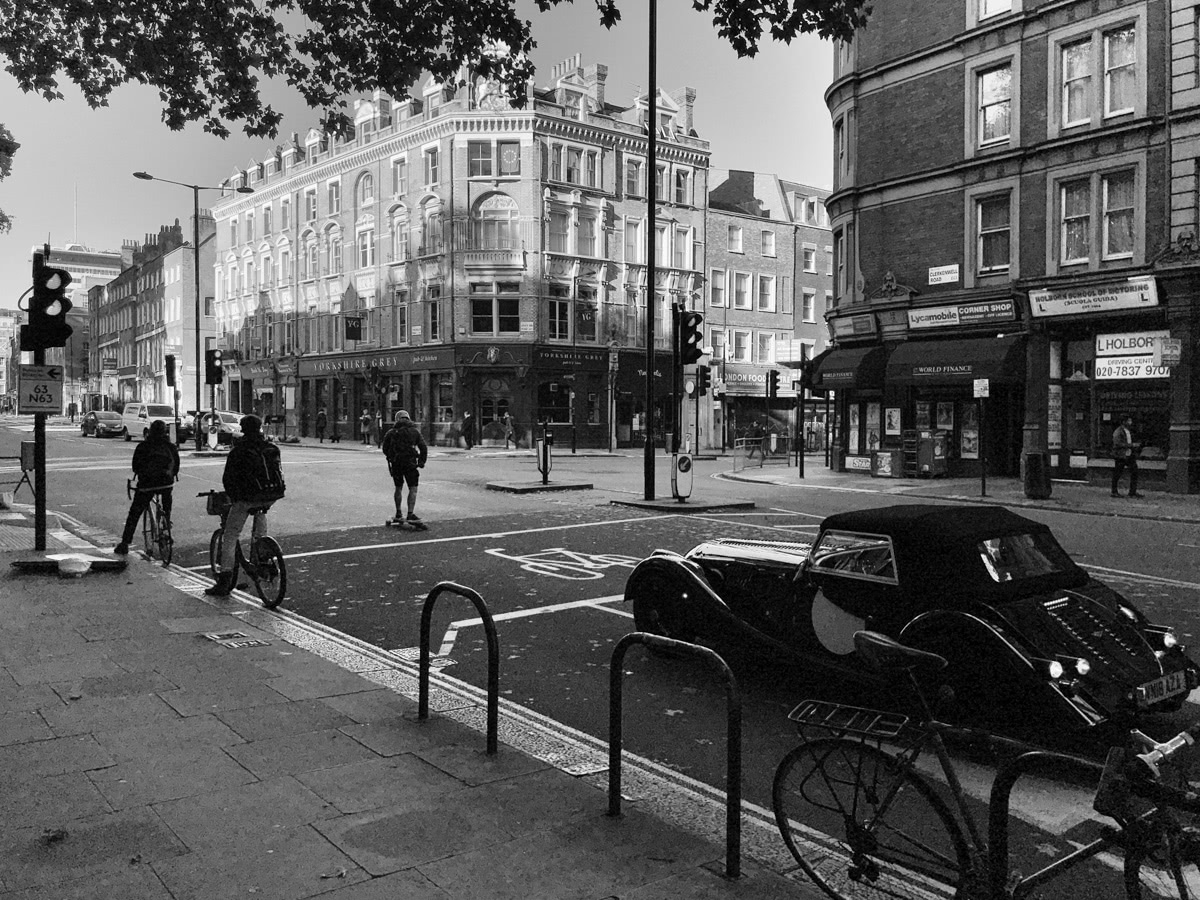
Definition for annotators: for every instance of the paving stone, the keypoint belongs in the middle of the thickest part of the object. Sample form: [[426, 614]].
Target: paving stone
[[289, 865], [183, 772], [78, 753], [117, 880], [122, 685], [161, 736], [471, 764], [84, 716], [26, 697], [19, 727], [231, 816], [283, 718], [48, 800], [375, 783], [372, 705], [294, 753], [64, 668], [709, 883], [391, 737], [410, 885], [91, 847], [326, 681], [216, 697]]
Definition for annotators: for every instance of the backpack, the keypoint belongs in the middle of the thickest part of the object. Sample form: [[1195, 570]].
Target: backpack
[[264, 471], [401, 450], [156, 463]]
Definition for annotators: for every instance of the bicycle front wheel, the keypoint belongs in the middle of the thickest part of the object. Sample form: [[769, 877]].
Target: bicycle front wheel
[[886, 833], [149, 533], [166, 542], [268, 571], [1163, 864]]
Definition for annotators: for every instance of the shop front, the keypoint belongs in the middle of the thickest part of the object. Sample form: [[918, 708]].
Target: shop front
[[495, 383], [1099, 358], [972, 390], [571, 394], [748, 411], [630, 398], [853, 376]]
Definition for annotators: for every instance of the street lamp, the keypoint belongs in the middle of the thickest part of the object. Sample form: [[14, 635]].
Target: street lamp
[[196, 189]]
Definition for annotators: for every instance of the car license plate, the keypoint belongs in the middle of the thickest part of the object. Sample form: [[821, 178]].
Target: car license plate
[[1161, 688]]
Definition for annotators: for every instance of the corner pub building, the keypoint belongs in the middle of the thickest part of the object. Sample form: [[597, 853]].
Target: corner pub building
[[458, 254], [1051, 255]]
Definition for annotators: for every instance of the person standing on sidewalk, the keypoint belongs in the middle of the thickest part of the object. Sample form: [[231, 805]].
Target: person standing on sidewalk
[[156, 465], [1125, 453], [364, 422], [468, 430], [321, 422], [406, 452]]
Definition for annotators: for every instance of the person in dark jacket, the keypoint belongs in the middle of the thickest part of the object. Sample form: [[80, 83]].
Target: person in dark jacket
[[468, 430], [156, 465], [320, 424], [406, 452], [247, 483]]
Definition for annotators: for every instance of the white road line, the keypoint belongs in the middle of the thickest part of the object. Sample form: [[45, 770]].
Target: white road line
[[452, 632], [1157, 579]]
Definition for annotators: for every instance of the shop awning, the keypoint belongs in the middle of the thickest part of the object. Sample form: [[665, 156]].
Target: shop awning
[[850, 367], [958, 361]]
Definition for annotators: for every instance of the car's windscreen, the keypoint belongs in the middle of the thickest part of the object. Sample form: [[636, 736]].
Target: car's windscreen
[[154, 410], [1016, 557], [230, 418], [109, 416], [858, 555]]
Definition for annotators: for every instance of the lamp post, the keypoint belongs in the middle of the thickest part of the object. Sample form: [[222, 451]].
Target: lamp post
[[195, 189]]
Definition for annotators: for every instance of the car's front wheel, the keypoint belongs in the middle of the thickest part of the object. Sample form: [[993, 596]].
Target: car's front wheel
[[128, 436], [659, 609]]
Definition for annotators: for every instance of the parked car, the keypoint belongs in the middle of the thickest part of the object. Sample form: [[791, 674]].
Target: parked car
[[229, 427], [103, 423], [137, 417], [1026, 632]]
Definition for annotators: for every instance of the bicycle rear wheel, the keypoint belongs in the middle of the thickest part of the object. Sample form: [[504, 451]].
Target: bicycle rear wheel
[[888, 833], [268, 571], [149, 532], [1164, 864], [166, 542]]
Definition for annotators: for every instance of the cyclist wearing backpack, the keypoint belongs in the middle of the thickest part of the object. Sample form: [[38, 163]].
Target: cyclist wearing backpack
[[253, 479], [406, 453], [156, 465]]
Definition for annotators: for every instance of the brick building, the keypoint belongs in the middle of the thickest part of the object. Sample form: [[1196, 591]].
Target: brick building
[[458, 254], [1015, 200]]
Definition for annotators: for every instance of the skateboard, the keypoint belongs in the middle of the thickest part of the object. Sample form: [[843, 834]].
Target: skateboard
[[406, 525]]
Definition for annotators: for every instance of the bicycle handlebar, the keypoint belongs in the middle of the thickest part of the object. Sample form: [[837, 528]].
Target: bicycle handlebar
[[1158, 753]]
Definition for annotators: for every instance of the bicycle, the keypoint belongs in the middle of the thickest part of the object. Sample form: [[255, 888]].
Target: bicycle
[[265, 566], [899, 838], [156, 524]]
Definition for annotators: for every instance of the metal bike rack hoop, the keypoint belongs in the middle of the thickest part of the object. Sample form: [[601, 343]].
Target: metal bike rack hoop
[[489, 627], [733, 734]]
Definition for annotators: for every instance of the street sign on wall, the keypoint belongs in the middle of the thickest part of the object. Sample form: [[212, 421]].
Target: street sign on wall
[[40, 390]]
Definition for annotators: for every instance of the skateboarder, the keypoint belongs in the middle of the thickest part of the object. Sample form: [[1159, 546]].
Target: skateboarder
[[406, 453]]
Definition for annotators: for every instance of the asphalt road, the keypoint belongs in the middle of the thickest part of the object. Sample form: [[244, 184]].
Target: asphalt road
[[552, 567]]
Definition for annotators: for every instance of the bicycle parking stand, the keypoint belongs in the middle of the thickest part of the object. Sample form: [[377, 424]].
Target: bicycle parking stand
[[493, 643], [733, 735], [1061, 766]]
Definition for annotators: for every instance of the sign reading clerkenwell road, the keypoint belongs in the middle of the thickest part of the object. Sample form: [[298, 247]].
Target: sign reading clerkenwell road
[[1134, 293]]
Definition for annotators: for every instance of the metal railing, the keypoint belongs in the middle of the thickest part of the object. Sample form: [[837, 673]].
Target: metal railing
[[733, 735], [493, 644]]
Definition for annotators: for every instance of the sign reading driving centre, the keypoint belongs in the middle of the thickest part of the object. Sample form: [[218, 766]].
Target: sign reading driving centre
[[40, 390]]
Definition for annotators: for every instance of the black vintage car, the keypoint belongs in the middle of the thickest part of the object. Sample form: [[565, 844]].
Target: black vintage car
[[1025, 630]]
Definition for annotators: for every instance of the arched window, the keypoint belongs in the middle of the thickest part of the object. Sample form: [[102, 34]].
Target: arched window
[[494, 224], [431, 227], [333, 243], [366, 190], [398, 223], [251, 283], [308, 266]]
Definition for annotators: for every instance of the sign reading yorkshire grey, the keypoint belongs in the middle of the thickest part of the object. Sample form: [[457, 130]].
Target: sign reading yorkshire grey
[[1129, 354], [962, 314], [1136, 293]]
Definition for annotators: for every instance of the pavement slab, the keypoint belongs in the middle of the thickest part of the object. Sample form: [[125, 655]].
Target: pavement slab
[[278, 719], [407, 885], [22, 726], [86, 716], [128, 882], [77, 753], [375, 783], [48, 800], [217, 695], [169, 775], [291, 754], [138, 741]]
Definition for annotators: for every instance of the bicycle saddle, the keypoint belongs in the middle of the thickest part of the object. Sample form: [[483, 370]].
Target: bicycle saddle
[[885, 654]]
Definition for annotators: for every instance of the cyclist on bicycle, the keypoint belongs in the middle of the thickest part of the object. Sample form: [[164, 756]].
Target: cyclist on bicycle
[[253, 479], [156, 466]]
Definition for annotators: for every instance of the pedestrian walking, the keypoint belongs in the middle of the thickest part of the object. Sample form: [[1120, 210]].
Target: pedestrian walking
[[1125, 453], [364, 422], [406, 452], [156, 465], [253, 479], [468, 430], [322, 420], [510, 433]]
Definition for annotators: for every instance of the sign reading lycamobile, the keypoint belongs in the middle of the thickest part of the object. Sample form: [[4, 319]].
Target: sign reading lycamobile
[[962, 314], [1136, 293]]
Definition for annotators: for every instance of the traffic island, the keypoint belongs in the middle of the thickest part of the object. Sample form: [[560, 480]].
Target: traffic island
[[531, 487], [670, 504]]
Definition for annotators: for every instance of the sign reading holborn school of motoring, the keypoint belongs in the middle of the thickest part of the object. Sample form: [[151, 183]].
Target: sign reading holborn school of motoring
[[1135, 293]]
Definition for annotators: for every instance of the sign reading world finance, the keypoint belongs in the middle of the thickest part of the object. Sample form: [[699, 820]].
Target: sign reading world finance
[[961, 314], [1135, 293]]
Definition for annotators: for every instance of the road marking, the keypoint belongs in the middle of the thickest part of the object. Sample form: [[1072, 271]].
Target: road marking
[[559, 562], [1157, 579]]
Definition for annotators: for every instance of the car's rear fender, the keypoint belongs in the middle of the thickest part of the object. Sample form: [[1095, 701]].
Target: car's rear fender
[[680, 571]]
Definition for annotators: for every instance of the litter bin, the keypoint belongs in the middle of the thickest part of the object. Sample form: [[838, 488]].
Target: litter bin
[[1037, 475]]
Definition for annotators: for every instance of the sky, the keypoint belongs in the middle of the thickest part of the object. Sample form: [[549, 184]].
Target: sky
[[72, 181]]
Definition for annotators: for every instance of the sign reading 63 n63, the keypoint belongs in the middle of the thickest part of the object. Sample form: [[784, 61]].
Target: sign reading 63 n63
[[40, 390]]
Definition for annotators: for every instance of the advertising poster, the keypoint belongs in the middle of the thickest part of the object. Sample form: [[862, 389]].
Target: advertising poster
[[855, 428], [874, 426], [922, 415], [945, 416], [892, 421], [1054, 410], [968, 415]]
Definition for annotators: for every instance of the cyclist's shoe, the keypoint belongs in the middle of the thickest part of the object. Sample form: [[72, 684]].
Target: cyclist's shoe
[[122, 549], [222, 587]]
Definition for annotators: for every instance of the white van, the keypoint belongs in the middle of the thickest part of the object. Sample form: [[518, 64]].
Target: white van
[[137, 417]]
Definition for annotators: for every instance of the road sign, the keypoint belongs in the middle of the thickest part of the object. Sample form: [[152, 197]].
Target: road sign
[[982, 387], [40, 390]]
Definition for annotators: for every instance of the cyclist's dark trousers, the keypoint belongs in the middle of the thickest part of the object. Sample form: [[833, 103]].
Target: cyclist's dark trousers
[[141, 502]]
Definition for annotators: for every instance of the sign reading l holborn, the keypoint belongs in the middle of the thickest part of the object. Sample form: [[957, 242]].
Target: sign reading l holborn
[[1135, 293]]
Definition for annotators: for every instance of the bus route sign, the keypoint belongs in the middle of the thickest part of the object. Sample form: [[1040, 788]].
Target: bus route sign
[[40, 390]]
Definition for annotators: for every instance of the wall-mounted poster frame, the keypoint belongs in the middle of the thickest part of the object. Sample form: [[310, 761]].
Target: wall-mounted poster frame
[[892, 421]]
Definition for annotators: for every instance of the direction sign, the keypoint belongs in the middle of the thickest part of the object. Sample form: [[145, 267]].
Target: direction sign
[[40, 390]]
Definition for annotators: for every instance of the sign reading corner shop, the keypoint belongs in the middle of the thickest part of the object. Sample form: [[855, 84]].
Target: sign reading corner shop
[[1135, 293], [961, 314]]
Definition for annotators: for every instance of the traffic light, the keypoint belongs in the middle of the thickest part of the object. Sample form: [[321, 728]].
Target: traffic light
[[691, 336], [212, 367], [703, 380], [170, 370], [773, 384], [48, 308]]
